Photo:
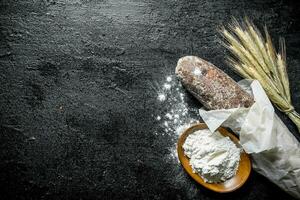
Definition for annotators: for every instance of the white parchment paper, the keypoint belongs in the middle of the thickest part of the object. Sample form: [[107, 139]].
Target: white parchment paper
[[274, 150]]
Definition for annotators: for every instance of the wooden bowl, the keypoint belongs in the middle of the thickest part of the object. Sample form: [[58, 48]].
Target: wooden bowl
[[229, 185]]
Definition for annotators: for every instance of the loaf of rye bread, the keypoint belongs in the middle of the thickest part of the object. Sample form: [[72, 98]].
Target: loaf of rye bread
[[210, 85]]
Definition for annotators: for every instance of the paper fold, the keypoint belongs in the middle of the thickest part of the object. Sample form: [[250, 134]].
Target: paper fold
[[275, 151]]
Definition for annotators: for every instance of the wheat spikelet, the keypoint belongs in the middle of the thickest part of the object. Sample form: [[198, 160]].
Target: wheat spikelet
[[255, 57]]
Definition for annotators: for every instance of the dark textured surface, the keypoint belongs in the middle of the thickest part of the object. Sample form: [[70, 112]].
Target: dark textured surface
[[75, 103]]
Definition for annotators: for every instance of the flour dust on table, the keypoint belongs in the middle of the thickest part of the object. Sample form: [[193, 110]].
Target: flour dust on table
[[177, 116]]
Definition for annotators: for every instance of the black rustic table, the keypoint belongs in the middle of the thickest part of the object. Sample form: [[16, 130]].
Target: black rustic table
[[76, 105]]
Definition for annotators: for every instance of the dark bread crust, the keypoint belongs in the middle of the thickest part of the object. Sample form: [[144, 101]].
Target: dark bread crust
[[210, 85]]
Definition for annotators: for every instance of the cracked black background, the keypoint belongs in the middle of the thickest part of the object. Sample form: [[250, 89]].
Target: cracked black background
[[76, 109]]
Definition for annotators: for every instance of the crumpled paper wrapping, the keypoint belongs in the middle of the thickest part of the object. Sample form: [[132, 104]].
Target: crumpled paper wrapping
[[274, 150]]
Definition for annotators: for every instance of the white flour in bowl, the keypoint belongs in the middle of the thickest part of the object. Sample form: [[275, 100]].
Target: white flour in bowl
[[214, 157]]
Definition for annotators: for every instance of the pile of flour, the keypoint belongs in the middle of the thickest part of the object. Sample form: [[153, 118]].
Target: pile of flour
[[214, 157]]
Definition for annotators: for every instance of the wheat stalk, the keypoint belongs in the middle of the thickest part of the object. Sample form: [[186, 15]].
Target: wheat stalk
[[255, 57]]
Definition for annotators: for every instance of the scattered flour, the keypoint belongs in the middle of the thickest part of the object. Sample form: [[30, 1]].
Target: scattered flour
[[176, 115], [161, 97], [167, 86], [214, 157], [169, 78]]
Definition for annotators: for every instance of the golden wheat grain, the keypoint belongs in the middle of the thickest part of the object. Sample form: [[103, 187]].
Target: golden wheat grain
[[255, 57]]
